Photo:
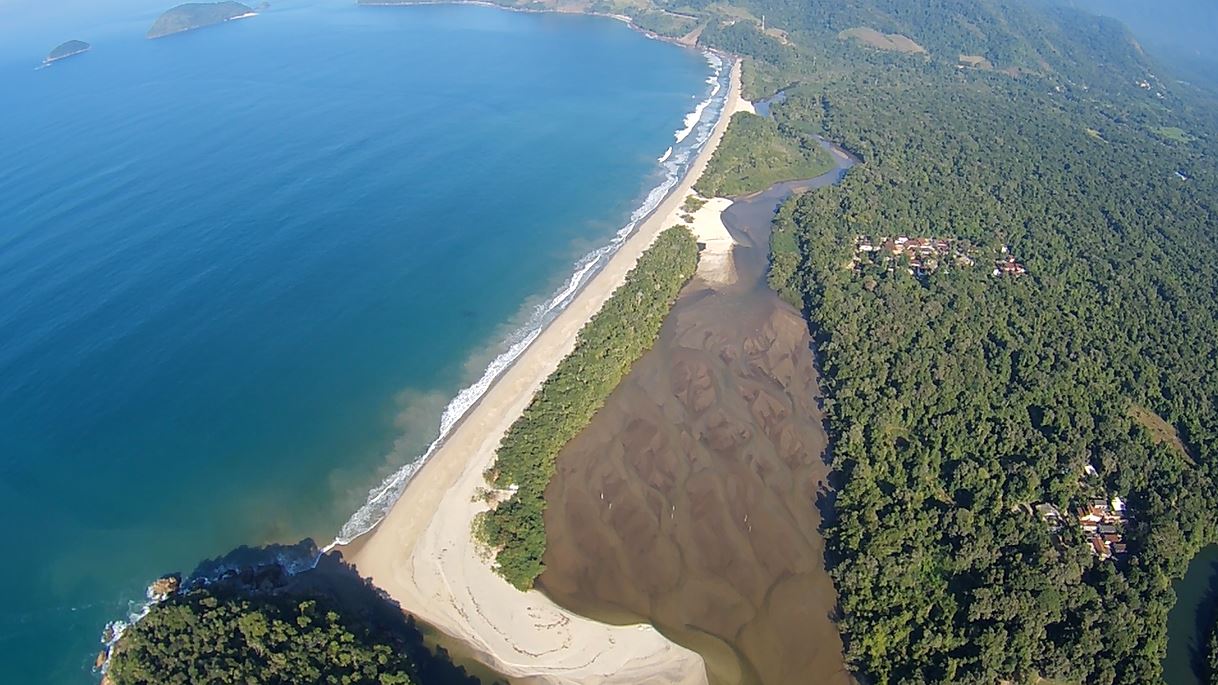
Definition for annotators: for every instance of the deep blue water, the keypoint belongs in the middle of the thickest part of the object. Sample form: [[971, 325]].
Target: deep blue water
[[243, 270]]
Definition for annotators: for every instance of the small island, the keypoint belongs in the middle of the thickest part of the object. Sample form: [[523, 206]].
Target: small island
[[196, 15], [66, 50]]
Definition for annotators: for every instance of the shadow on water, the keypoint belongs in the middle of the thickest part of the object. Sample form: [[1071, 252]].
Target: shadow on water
[[299, 572], [1190, 621], [693, 499]]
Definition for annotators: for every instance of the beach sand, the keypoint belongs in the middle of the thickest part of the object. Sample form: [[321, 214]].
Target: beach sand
[[423, 555], [715, 264]]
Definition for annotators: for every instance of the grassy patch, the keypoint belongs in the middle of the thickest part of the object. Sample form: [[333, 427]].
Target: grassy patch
[[1172, 133], [1161, 432], [890, 42], [976, 62], [693, 203]]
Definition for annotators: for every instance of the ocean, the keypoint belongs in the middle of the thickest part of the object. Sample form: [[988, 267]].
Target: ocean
[[245, 271]]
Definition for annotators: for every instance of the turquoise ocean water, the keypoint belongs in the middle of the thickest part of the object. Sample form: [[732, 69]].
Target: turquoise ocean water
[[244, 270]]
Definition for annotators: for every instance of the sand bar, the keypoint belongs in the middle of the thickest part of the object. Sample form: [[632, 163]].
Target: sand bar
[[715, 263], [422, 554]]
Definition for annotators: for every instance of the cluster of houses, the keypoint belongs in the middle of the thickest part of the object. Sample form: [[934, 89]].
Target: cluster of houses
[[1008, 265], [925, 255], [1102, 523]]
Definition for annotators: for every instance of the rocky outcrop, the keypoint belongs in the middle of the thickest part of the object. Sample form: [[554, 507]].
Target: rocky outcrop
[[164, 587]]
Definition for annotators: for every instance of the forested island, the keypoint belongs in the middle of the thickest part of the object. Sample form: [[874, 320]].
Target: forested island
[[756, 153], [197, 15], [66, 50]]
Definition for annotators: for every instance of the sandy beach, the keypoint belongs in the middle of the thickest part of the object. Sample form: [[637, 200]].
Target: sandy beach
[[422, 554], [715, 265]]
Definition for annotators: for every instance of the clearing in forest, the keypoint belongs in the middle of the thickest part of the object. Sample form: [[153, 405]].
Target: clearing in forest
[[1172, 133], [893, 42], [1160, 430]]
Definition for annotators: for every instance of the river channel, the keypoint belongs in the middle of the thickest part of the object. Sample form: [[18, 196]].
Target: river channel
[[691, 500]]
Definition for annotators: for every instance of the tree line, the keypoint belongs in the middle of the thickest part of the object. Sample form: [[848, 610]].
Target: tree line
[[756, 152], [607, 346]]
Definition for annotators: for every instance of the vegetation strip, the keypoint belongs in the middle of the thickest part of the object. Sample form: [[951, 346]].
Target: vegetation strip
[[757, 152], [608, 345]]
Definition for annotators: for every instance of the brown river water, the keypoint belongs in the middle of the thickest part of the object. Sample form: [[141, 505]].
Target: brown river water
[[691, 500]]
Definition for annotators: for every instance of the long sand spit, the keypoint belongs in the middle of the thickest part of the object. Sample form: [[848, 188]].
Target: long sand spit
[[423, 555]]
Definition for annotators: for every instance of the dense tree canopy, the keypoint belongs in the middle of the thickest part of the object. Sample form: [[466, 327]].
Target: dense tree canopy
[[960, 400], [266, 626], [200, 638], [756, 153]]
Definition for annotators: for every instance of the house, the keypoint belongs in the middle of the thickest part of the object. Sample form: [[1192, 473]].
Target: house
[[1009, 266], [1051, 516], [1100, 549], [1101, 521]]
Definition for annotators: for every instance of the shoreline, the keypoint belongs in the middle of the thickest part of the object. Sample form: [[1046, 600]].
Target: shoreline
[[532, 10], [525, 330], [423, 555]]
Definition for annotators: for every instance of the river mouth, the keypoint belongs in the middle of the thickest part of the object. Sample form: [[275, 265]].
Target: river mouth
[[692, 499]]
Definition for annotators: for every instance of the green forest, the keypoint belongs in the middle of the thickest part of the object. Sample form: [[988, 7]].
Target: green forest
[[756, 153], [960, 400], [268, 627], [607, 346]]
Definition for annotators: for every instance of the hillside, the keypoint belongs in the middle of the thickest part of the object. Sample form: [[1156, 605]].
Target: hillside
[[196, 15], [66, 50], [961, 400]]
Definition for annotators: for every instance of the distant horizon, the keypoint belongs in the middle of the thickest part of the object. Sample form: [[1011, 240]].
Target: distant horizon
[[1179, 33], [1181, 37]]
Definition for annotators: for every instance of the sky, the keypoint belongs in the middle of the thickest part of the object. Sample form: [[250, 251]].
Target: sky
[[1175, 31]]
